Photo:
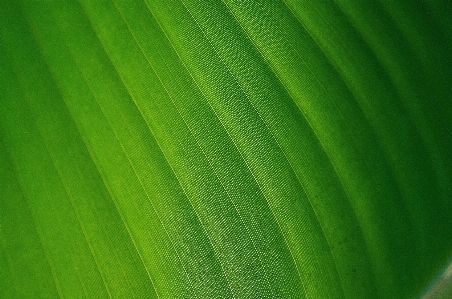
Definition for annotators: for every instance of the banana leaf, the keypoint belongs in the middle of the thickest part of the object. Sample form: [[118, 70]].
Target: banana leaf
[[225, 149]]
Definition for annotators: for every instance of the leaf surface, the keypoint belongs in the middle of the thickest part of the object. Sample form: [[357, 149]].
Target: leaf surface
[[224, 149]]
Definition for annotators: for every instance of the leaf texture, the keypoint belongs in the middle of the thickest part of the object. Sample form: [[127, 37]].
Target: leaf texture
[[224, 148]]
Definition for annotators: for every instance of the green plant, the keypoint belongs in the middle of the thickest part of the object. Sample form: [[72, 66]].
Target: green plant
[[247, 149]]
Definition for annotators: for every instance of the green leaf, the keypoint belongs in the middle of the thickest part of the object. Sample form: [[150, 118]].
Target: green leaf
[[224, 148]]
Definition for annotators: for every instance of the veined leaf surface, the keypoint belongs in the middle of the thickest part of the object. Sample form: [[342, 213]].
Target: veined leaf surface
[[224, 148]]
